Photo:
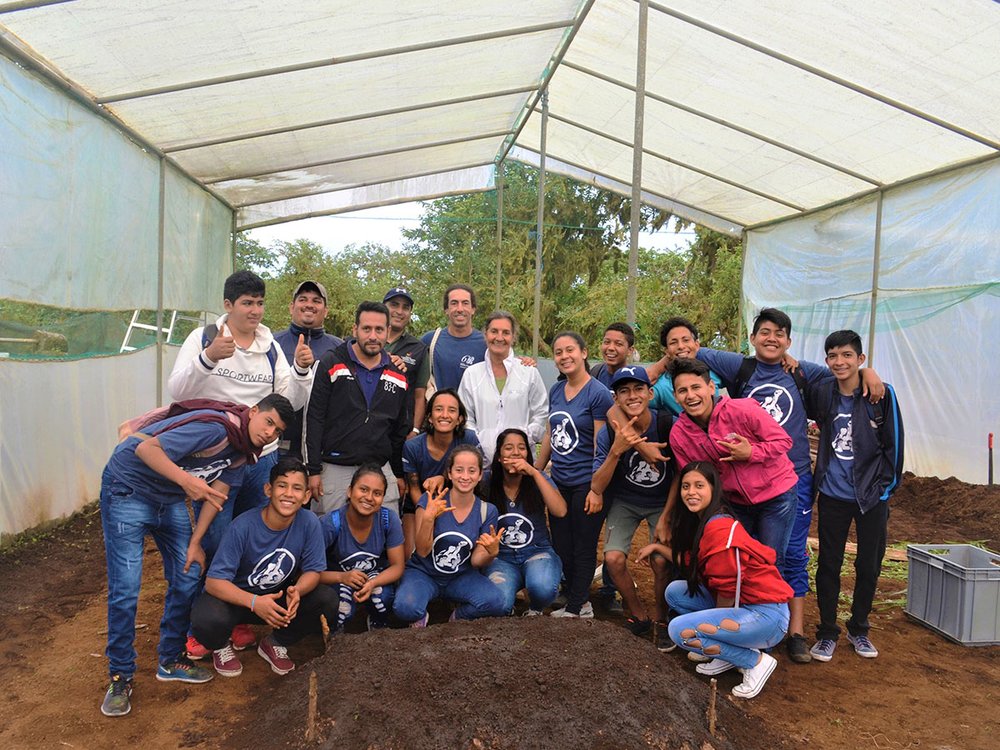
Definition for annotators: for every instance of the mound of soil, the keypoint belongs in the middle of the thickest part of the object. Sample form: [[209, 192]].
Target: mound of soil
[[938, 511], [501, 683]]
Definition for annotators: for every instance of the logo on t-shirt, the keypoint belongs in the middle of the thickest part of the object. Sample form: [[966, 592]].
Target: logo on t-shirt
[[518, 530], [366, 562], [775, 399], [272, 569], [467, 360], [641, 474], [451, 550], [211, 472], [565, 436], [843, 438]]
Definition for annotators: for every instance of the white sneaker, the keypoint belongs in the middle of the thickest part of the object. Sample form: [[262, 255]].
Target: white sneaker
[[563, 613], [755, 678], [586, 612], [532, 613], [714, 667], [698, 658]]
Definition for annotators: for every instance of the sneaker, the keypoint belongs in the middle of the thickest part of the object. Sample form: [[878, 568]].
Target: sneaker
[[755, 678], [614, 606], [182, 670], [714, 667], [698, 658], [798, 649], [637, 626], [195, 650], [532, 613], [823, 649], [454, 616], [243, 637], [276, 655], [226, 662], [586, 612], [117, 701], [661, 637], [862, 646], [422, 622]]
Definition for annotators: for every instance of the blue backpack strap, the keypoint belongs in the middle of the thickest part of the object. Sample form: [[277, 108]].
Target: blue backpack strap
[[385, 522], [272, 357], [208, 334]]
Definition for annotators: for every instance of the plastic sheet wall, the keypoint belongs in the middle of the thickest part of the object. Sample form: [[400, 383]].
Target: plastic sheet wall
[[937, 303]]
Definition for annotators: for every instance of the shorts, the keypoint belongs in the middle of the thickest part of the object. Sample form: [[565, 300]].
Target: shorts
[[623, 521]]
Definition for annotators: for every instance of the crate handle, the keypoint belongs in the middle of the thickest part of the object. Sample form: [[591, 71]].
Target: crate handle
[[940, 552]]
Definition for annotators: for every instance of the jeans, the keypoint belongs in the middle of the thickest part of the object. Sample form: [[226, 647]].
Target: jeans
[[476, 595], [379, 604], [574, 538], [835, 517], [126, 518], [759, 626], [796, 554], [770, 522], [539, 573], [213, 620]]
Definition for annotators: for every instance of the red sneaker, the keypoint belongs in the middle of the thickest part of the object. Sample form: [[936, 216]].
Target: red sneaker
[[195, 650], [243, 637], [276, 655]]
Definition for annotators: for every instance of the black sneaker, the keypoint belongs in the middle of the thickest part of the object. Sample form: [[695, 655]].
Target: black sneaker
[[117, 700], [662, 639], [798, 649], [637, 626]]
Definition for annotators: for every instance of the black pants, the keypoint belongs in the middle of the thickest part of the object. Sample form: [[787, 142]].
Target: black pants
[[835, 517], [574, 538], [212, 620]]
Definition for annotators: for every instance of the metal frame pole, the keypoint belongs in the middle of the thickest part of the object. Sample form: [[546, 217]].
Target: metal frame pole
[[640, 112], [539, 229], [160, 250], [500, 166], [876, 258], [739, 300]]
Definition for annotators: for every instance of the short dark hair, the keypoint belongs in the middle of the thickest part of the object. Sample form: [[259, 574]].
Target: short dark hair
[[671, 324], [684, 366], [240, 283], [369, 467], [287, 465], [772, 315], [278, 403], [464, 288], [501, 315], [371, 306], [624, 329], [845, 337]]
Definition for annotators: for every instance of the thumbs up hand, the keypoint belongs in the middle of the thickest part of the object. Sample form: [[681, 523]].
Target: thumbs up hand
[[304, 357]]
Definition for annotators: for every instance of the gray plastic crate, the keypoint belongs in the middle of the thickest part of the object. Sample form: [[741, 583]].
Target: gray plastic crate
[[954, 589]]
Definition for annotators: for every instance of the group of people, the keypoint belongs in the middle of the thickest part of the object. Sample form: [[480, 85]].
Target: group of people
[[385, 471]]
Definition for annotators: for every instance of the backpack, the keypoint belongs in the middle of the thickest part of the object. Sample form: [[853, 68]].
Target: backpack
[[747, 368], [335, 522], [209, 333], [230, 411]]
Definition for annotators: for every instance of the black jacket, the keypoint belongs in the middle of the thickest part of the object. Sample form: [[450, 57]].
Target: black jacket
[[341, 428], [877, 438]]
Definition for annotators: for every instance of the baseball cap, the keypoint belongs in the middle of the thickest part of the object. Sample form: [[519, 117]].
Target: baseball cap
[[632, 372], [397, 291], [308, 285]]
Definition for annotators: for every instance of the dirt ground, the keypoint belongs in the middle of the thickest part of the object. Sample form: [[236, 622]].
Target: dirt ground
[[509, 683]]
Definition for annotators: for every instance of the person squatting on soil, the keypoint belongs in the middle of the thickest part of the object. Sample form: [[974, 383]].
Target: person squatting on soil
[[858, 466], [522, 494], [266, 571], [732, 603], [364, 550], [202, 455], [456, 537], [578, 405]]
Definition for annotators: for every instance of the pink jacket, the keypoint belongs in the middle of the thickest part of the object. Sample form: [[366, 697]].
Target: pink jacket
[[768, 473]]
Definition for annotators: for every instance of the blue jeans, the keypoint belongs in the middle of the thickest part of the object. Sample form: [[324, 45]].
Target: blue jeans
[[247, 496], [126, 519], [539, 573], [476, 595], [770, 522], [796, 554], [379, 604], [760, 626]]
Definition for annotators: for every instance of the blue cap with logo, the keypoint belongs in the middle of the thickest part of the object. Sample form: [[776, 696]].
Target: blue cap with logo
[[632, 372], [397, 291]]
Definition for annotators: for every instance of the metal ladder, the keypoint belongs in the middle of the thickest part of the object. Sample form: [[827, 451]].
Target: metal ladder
[[167, 331]]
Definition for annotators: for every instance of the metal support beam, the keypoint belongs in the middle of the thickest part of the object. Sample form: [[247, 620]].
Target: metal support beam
[[740, 312], [876, 261], [826, 75], [637, 133], [727, 124], [160, 254], [30, 5], [500, 166], [350, 118], [537, 319], [330, 61]]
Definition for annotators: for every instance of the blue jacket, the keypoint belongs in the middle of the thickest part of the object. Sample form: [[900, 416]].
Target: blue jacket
[[877, 442]]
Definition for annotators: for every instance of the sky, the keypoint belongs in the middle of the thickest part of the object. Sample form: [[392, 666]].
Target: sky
[[383, 225]]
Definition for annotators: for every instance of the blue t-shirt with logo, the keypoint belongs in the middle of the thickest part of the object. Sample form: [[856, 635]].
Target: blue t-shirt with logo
[[260, 560], [181, 444], [451, 552], [838, 482], [524, 532], [776, 391], [418, 460], [635, 481], [453, 356], [344, 552], [571, 427]]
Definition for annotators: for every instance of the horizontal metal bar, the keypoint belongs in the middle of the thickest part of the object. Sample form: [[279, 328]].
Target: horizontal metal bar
[[826, 75], [727, 124], [350, 118], [359, 157], [30, 5], [683, 165], [312, 64]]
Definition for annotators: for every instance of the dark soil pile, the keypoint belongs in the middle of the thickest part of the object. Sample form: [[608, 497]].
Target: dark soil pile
[[933, 510], [502, 683]]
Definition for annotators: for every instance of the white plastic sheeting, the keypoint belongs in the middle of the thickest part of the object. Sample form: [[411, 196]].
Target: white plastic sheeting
[[937, 303]]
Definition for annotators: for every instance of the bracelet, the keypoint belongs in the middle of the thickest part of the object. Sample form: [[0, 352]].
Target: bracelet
[[252, 602]]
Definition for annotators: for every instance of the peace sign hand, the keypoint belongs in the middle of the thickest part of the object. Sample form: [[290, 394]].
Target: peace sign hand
[[436, 504]]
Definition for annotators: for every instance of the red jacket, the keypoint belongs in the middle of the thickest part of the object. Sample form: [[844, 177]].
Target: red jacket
[[728, 555]]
